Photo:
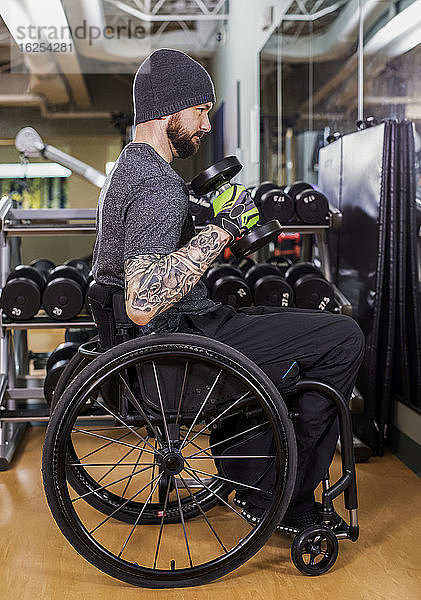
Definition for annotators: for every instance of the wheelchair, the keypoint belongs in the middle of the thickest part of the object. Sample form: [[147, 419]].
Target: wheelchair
[[150, 439]]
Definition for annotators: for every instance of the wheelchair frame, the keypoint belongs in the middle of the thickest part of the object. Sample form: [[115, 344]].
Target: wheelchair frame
[[309, 541]]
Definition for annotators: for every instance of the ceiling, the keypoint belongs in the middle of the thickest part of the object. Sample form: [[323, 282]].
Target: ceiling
[[75, 83]]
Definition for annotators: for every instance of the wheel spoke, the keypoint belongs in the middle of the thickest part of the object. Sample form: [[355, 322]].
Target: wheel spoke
[[122, 506], [311, 563], [103, 487], [113, 441], [137, 405], [203, 484], [117, 464], [158, 477], [231, 481], [200, 409], [105, 445], [154, 466], [208, 425], [186, 368], [193, 497], [133, 470], [239, 456], [164, 420], [180, 510], [117, 418], [224, 441], [161, 527], [199, 448], [77, 464]]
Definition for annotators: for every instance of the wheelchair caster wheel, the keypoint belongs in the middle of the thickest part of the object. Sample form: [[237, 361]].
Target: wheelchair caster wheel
[[314, 550]]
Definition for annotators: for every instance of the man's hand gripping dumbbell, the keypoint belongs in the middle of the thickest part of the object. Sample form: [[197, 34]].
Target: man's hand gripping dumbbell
[[234, 211]]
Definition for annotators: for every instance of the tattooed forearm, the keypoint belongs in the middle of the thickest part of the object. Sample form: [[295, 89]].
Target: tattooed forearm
[[154, 282]]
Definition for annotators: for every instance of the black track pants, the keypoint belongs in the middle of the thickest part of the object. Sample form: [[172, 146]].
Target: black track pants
[[324, 346]]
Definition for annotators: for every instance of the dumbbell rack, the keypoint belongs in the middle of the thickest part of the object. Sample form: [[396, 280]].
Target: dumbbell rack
[[19, 223], [320, 232]]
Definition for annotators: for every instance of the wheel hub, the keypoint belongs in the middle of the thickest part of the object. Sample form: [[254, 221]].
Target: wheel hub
[[171, 461]]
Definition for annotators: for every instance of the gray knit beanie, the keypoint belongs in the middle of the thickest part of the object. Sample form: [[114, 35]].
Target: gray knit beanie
[[168, 81]]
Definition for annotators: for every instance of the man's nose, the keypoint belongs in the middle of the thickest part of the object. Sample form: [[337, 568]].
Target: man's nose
[[205, 124]]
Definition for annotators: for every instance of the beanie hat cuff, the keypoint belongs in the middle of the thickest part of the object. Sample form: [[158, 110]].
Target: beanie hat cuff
[[173, 108]]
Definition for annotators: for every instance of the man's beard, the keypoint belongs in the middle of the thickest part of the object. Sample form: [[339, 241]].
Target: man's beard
[[181, 139]]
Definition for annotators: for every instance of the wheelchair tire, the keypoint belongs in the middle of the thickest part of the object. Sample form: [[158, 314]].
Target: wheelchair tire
[[83, 483], [181, 561], [314, 550]]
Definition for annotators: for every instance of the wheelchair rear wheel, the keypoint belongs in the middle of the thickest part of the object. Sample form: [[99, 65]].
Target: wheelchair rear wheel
[[184, 408]]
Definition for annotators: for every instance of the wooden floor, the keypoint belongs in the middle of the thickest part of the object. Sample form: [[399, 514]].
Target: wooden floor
[[36, 562]]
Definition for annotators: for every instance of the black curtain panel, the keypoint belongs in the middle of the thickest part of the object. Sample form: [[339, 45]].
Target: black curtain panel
[[369, 176]]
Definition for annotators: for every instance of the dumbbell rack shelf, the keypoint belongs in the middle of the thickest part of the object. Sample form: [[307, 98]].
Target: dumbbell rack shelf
[[22, 405]]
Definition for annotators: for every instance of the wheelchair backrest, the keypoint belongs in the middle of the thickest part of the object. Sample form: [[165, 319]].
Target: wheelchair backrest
[[108, 310]]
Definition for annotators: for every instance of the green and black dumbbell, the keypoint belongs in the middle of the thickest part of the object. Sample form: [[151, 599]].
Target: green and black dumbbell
[[311, 288], [216, 178]]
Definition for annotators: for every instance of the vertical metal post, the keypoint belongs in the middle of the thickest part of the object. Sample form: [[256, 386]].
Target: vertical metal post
[[360, 62], [279, 104]]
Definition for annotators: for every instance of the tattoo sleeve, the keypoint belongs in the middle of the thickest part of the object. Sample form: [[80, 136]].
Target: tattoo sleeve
[[154, 282]]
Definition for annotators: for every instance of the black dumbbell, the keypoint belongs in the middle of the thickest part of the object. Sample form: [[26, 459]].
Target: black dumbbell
[[311, 206], [22, 293], [273, 202], [81, 265], [283, 263], [243, 264], [64, 293], [311, 289], [56, 363], [201, 210], [226, 285], [43, 265], [269, 288]]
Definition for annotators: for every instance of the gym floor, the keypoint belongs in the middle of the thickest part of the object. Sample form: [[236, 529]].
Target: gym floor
[[385, 563]]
